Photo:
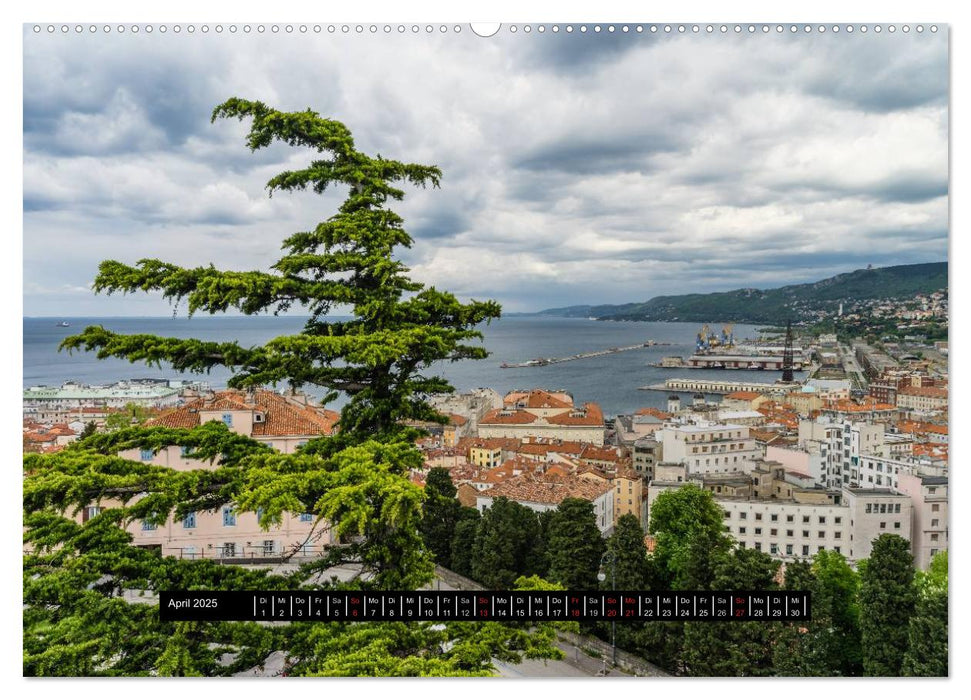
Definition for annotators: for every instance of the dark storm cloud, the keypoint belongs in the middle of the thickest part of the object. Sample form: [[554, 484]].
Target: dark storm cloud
[[585, 155], [576, 51], [883, 76]]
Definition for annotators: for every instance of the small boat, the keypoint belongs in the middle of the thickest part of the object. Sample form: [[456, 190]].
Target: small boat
[[63, 324]]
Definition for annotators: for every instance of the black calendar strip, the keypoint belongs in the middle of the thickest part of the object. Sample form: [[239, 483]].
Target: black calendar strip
[[468, 606]]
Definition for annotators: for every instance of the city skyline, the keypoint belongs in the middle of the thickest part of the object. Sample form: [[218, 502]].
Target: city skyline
[[602, 168]]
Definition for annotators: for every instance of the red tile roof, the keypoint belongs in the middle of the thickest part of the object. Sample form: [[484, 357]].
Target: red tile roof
[[590, 415], [538, 398], [929, 391], [657, 413], [283, 416], [917, 428], [549, 490], [743, 395]]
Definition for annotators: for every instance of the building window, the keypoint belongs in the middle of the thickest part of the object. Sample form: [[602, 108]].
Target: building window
[[147, 455], [822, 519], [935, 507], [92, 511], [269, 547], [836, 549], [742, 515], [805, 533], [773, 531], [758, 546], [805, 550], [838, 520], [883, 526], [774, 548], [148, 525], [189, 521], [758, 531], [774, 517], [228, 419], [883, 507], [790, 518], [932, 489], [228, 549], [935, 522], [821, 534], [229, 516], [805, 518], [869, 507], [896, 507], [789, 549], [183, 451], [306, 517], [789, 533], [896, 525], [758, 516]]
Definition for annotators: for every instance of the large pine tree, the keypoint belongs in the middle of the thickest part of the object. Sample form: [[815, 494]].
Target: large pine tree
[[887, 599], [79, 617]]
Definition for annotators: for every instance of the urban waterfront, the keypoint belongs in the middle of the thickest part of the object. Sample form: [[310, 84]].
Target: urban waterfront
[[610, 380]]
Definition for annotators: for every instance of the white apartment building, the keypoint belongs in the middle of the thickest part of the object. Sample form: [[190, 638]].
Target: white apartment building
[[709, 448], [845, 521], [841, 445], [883, 472]]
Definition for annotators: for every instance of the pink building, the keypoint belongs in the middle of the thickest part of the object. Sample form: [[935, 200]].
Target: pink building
[[281, 422], [928, 495]]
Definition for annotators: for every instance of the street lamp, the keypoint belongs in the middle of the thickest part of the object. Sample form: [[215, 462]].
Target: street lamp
[[609, 558]]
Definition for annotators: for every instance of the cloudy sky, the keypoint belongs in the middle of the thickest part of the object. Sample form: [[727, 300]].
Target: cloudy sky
[[578, 168]]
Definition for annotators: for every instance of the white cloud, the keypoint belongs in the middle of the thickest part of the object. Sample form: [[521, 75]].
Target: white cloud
[[571, 174]]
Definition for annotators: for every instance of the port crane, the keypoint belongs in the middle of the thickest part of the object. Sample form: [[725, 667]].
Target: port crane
[[708, 339]]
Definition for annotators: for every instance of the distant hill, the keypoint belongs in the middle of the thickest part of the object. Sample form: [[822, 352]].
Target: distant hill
[[795, 301]]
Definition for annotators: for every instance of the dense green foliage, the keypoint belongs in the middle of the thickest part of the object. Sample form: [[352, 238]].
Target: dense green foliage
[[734, 648], [575, 545], [507, 542], [626, 546], [132, 414], [441, 513], [84, 580], [887, 600], [463, 541], [689, 532], [775, 305], [830, 644], [926, 653]]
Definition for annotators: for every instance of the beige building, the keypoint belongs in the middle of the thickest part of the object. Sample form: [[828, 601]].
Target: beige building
[[544, 414], [743, 401], [922, 399], [804, 403], [281, 422], [705, 447]]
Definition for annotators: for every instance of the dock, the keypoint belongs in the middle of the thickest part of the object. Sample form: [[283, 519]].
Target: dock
[[714, 361], [718, 386], [544, 361]]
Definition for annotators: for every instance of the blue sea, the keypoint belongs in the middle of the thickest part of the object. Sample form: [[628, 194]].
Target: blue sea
[[610, 380]]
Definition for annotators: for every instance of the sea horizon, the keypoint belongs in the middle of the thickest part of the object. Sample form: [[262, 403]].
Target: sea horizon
[[612, 380]]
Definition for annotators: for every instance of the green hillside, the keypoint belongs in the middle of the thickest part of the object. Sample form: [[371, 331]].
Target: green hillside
[[796, 302]]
